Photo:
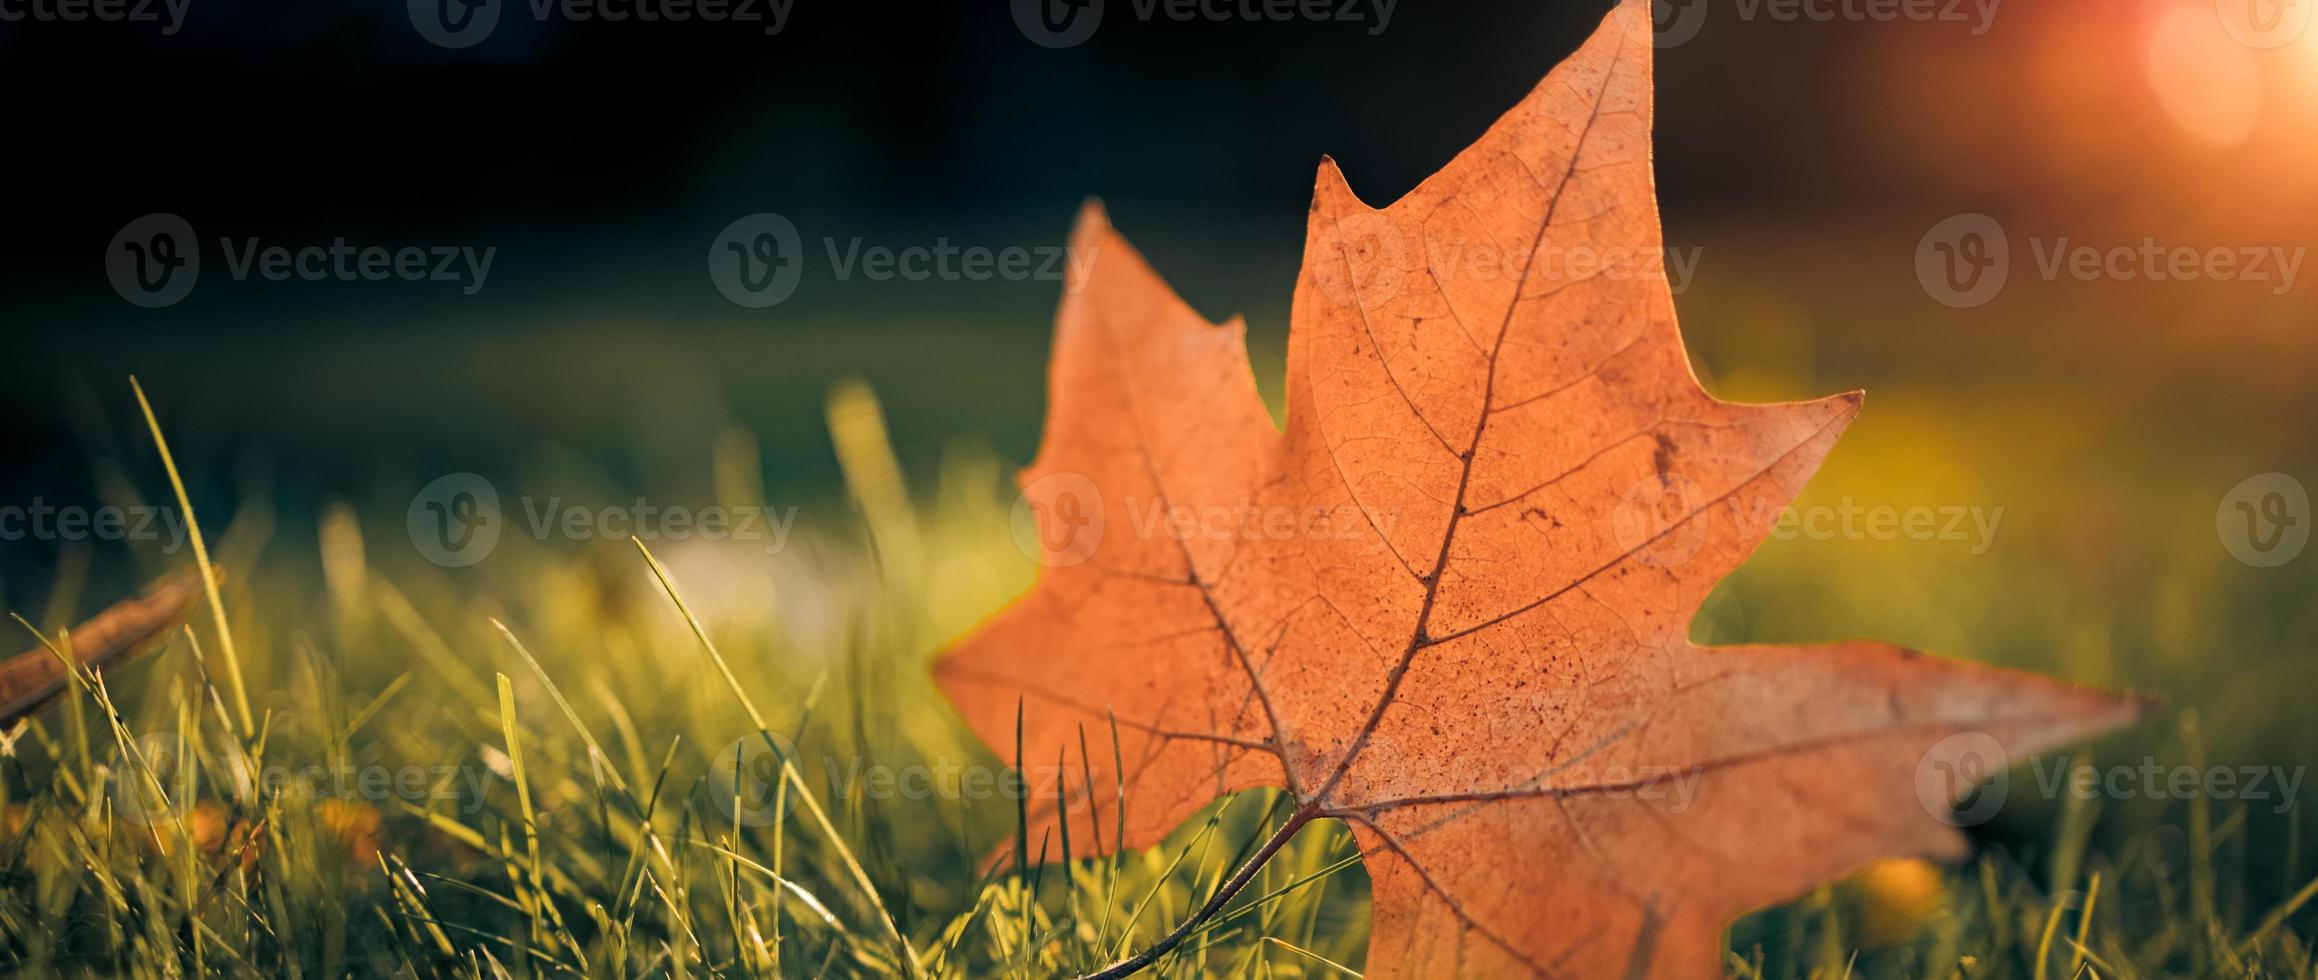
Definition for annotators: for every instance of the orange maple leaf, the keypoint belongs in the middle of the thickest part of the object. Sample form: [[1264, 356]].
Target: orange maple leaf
[[1449, 604]]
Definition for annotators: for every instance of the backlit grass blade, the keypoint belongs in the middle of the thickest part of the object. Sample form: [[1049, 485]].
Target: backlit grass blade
[[241, 698], [788, 773]]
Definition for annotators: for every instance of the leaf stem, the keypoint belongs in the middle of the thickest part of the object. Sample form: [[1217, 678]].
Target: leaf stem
[[1303, 814]]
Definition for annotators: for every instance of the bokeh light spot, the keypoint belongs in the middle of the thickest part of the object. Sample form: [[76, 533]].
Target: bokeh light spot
[[2207, 83]]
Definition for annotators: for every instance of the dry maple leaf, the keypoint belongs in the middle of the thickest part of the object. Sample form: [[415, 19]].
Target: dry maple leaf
[[1449, 604]]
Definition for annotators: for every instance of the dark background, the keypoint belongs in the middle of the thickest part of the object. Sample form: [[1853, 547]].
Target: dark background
[[602, 158]]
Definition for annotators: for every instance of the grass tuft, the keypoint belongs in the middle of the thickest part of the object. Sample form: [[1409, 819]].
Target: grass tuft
[[377, 801]]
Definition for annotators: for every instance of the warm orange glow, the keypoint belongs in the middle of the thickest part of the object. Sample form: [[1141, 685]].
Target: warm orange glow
[[2306, 63], [2264, 24], [1896, 897], [2207, 82]]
